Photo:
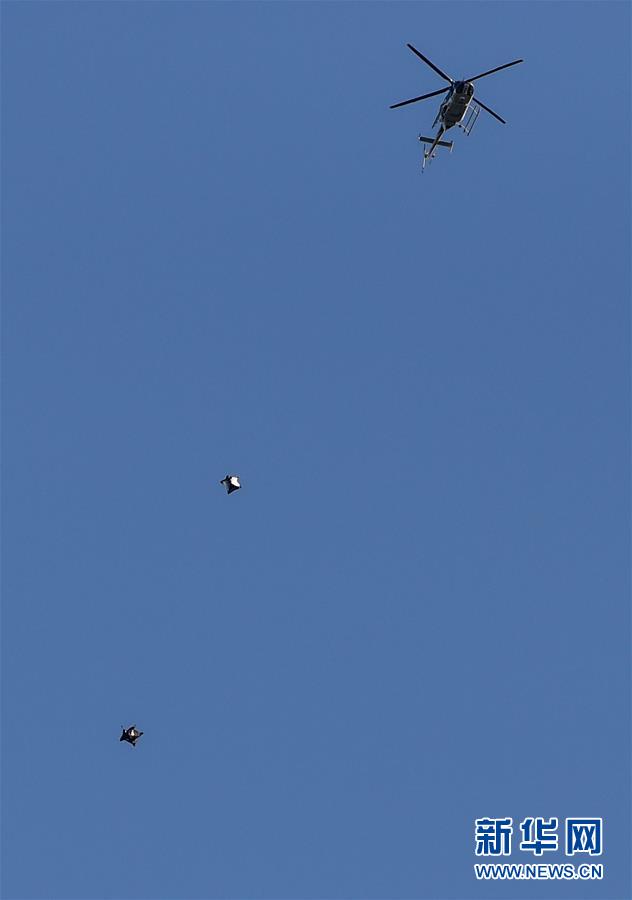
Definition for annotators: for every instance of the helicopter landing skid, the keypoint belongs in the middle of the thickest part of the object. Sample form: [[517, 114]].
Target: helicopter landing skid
[[470, 119]]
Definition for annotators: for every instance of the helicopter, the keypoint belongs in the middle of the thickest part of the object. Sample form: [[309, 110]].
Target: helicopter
[[455, 107]]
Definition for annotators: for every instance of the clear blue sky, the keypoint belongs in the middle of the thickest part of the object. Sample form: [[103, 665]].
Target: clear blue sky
[[220, 256]]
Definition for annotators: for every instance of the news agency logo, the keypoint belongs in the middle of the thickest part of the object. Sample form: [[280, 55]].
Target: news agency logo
[[494, 836]]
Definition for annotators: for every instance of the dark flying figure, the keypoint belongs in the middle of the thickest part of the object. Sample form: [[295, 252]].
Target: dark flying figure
[[231, 483], [130, 735]]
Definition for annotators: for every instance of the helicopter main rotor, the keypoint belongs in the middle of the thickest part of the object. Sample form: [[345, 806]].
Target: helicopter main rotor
[[423, 97], [431, 64], [453, 82]]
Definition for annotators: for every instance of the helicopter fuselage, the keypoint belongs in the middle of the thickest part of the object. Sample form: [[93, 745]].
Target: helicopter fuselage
[[455, 105]]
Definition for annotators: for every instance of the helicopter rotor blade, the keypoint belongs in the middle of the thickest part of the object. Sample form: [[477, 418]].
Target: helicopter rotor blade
[[497, 69], [490, 111], [428, 63], [423, 97]]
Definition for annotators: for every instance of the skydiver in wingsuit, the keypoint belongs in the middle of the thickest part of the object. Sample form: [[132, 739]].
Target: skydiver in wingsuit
[[231, 483], [130, 735]]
